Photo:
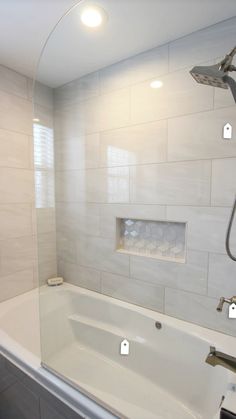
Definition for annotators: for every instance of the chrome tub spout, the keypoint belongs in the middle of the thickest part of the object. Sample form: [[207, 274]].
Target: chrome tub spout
[[219, 358]]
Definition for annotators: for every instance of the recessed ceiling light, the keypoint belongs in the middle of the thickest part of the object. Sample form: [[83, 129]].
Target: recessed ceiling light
[[36, 120], [93, 16], [156, 84]]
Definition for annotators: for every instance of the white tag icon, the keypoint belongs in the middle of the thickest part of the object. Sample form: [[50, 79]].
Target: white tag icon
[[227, 131], [232, 311], [124, 347]]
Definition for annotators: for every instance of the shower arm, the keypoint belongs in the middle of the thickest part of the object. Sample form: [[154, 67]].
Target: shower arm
[[226, 63]]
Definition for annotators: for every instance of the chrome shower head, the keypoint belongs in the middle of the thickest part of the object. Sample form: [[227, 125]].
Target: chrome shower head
[[210, 75], [217, 75]]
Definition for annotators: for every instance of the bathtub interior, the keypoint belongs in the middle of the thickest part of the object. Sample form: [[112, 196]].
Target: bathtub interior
[[165, 371]]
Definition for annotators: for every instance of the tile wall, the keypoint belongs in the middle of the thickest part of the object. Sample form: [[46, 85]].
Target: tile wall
[[18, 270], [125, 150]]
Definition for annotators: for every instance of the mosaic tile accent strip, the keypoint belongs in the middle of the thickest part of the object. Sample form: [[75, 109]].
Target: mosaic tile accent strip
[[156, 239]]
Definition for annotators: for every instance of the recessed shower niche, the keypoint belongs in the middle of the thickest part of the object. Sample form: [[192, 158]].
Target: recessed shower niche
[[155, 239]]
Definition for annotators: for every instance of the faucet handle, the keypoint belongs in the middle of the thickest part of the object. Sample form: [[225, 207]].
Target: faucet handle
[[225, 300]]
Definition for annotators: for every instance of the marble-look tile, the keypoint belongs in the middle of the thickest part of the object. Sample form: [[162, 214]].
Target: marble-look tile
[[15, 113], [45, 220], [200, 136], [80, 276], [109, 213], [224, 98], [16, 186], [69, 123], [19, 402], [42, 95], [108, 185], [14, 150], [223, 182], [116, 76], [222, 274], [146, 65], [100, 254], [138, 144], [133, 291], [186, 183], [114, 109], [77, 90], [46, 247], [77, 153], [17, 255], [149, 64], [179, 95], [202, 45], [108, 111], [206, 226], [45, 271], [66, 246], [44, 117], [189, 276], [197, 309], [15, 220], [75, 218], [13, 82], [70, 185], [16, 284]]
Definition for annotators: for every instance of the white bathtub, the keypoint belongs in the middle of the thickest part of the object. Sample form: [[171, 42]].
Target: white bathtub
[[164, 377]]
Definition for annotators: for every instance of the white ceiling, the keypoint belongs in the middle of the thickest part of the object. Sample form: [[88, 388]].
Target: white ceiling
[[73, 50]]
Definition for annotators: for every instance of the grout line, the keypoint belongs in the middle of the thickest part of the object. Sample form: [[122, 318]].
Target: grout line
[[148, 164]]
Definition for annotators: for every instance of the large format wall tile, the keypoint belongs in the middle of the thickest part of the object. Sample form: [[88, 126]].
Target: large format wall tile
[[14, 149], [114, 109], [125, 150], [99, 253], [70, 185], [16, 283], [80, 275], [108, 185], [206, 226], [76, 218], [190, 276], [200, 136], [13, 82], [141, 67], [223, 182], [215, 41], [77, 90], [15, 113], [77, 153], [186, 183], [222, 274], [136, 292], [16, 186], [15, 220], [197, 309], [17, 255], [138, 144], [179, 95]]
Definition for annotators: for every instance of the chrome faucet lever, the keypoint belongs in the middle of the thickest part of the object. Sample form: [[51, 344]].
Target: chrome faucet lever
[[225, 300]]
